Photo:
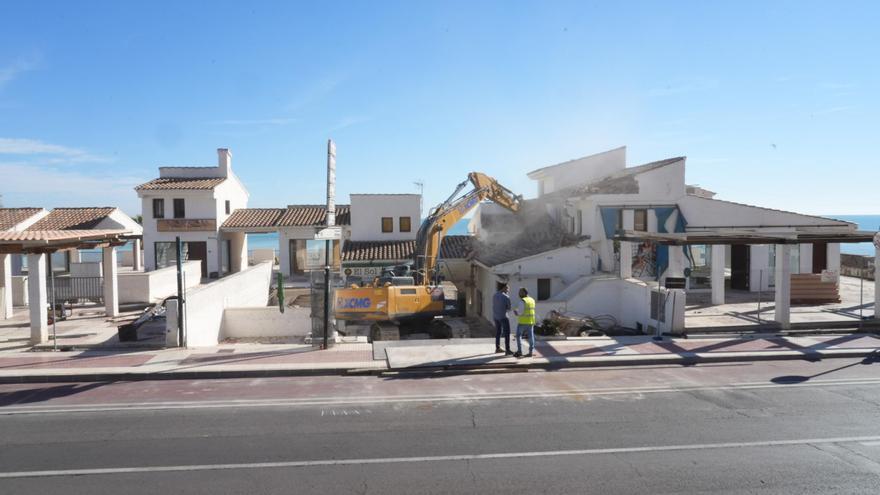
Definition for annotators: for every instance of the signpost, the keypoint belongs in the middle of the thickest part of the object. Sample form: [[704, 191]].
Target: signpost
[[329, 233]]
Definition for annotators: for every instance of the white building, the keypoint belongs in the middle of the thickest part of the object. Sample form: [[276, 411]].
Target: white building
[[596, 241], [192, 203]]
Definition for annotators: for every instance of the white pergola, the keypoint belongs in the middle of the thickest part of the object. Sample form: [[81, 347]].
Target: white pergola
[[783, 240], [37, 244]]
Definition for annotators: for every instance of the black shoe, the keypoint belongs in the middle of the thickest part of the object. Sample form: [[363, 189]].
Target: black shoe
[[517, 355], [508, 353], [498, 350], [528, 355]]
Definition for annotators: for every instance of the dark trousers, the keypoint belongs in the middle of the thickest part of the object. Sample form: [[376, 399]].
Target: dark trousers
[[502, 327]]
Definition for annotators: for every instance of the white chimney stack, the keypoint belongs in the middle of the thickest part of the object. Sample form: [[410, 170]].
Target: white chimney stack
[[224, 161]]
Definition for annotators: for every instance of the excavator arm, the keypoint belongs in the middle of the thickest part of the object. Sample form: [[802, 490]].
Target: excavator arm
[[448, 213]]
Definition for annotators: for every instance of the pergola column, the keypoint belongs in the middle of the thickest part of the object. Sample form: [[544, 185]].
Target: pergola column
[[629, 222], [111, 287], [718, 263], [136, 261], [5, 286], [37, 298], [782, 313]]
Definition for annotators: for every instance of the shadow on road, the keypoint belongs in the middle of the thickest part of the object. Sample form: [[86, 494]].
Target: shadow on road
[[33, 395], [795, 379]]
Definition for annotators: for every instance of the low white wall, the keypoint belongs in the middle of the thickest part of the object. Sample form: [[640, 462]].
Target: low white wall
[[150, 287], [265, 322], [19, 290], [629, 301], [261, 255], [205, 304]]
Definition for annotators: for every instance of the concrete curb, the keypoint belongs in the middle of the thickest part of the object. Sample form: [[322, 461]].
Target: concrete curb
[[684, 359]]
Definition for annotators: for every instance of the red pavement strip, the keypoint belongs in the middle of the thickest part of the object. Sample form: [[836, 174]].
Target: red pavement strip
[[36, 361], [547, 349]]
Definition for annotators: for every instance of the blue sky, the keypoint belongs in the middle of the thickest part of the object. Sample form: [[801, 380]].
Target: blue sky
[[773, 103]]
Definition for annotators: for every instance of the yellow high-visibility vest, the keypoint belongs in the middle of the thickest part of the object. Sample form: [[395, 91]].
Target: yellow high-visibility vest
[[528, 315]]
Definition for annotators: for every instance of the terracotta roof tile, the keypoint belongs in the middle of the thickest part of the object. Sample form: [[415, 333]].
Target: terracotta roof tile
[[254, 217], [180, 183], [453, 247], [57, 235], [10, 217], [72, 218], [292, 216], [306, 215]]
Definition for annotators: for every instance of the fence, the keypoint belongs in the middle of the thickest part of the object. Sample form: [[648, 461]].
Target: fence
[[317, 309], [75, 288]]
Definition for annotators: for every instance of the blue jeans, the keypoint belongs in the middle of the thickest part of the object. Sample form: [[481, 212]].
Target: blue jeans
[[523, 328], [502, 327]]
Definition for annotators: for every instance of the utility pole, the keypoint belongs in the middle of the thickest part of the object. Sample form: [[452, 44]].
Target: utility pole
[[180, 327], [331, 221]]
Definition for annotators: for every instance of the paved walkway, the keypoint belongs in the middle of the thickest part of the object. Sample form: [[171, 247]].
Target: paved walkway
[[254, 360]]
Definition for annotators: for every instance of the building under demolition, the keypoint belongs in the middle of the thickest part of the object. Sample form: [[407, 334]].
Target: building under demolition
[[634, 243]]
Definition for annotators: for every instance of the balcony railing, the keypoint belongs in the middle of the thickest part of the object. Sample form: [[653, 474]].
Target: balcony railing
[[186, 225]]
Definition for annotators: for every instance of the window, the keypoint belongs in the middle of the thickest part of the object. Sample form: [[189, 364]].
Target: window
[[641, 220], [179, 208], [405, 224], [619, 225], [579, 222], [387, 224], [158, 208], [228, 207], [543, 289], [166, 253]]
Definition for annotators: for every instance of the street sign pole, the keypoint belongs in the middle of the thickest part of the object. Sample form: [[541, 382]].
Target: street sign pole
[[180, 328], [330, 222]]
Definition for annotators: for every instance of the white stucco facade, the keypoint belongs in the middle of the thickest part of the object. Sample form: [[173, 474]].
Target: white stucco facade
[[368, 210], [595, 197], [205, 209]]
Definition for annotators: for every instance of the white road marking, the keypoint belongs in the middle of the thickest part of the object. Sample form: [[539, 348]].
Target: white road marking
[[438, 458], [391, 399], [871, 444]]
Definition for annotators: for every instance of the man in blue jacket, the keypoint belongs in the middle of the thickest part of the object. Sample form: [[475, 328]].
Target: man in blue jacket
[[500, 307]]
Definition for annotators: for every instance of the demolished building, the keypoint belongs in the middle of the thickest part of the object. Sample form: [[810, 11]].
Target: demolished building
[[602, 238]]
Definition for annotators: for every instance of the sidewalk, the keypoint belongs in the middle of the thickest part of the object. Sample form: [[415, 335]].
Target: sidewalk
[[263, 360]]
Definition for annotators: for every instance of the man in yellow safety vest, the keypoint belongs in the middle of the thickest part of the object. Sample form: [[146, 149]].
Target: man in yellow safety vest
[[525, 322]]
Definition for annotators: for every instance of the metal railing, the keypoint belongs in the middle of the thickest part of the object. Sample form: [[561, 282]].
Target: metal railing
[[72, 288]]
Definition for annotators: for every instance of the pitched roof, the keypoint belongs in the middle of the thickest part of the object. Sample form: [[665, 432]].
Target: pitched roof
[[10, 217], [292, 216], [181, 183], [452, 247], [72, 218], [305, 215], [46, 236], [622, 182], [568, 162], [254, 217]]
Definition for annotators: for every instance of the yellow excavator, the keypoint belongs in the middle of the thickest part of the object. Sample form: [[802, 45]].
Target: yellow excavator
[[412, 297]]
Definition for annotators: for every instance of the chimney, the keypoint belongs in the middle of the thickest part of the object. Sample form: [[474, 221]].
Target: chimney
[[224, 161]]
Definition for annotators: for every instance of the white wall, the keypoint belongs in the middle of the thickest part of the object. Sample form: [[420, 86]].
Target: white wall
[[703, 212], [568, 263], [19, 290], [151, 287], [367, 211], [265, 322], [581, 170], [205, 304]]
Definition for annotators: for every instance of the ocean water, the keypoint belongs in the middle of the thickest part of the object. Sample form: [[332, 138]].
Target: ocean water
[[270, 240], [865, 222]]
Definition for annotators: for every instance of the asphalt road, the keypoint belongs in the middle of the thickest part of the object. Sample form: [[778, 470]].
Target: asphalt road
[[783, 427]]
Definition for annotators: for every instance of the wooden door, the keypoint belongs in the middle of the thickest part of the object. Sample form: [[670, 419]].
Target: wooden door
[[199, 251]]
